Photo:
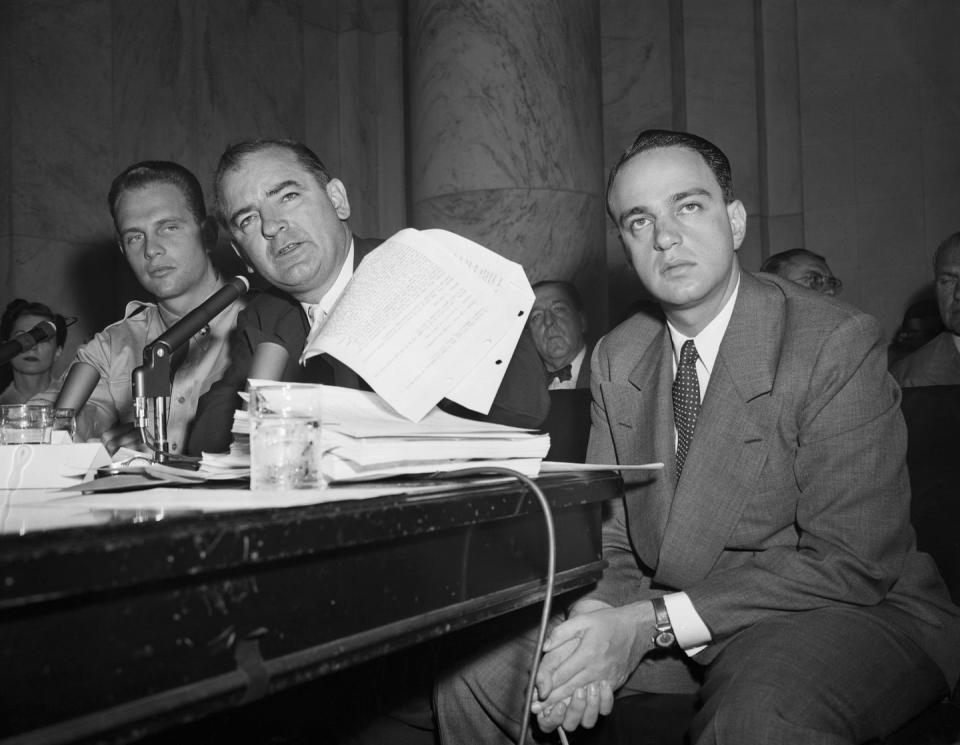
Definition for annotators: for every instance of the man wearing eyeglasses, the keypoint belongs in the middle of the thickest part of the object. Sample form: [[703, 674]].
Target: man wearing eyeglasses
[[804, 268]]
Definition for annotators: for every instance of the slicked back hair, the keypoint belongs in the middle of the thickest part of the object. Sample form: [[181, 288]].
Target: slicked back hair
[[149, 172], [778, 261], [234, 154], [650, 139]]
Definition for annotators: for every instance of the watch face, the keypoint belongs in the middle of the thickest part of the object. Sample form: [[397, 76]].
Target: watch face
[[664, 639]]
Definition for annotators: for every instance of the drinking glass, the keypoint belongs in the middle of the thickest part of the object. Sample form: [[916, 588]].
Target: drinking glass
[[285, 432], [23, 423]]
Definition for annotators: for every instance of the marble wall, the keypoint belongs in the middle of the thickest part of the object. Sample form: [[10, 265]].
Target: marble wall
[[880, 142], [841, 120], [94, 85], [505, 133]]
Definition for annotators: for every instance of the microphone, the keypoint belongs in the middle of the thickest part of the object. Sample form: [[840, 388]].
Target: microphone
[[76, 389], [25, 340], [180, 333], [154, 378]]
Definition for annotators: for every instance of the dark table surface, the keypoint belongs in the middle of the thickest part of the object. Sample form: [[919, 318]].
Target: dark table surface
[[127, 627]]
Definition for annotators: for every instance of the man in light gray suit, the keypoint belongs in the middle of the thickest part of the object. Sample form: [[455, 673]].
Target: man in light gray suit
[[770, 568]]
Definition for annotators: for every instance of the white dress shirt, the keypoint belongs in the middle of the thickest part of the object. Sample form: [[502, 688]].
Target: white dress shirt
[[317, 312]]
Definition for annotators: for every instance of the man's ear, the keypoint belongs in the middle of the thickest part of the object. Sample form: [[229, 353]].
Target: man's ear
[[240, 255], [338, 197], [738, 222], [208, 233]]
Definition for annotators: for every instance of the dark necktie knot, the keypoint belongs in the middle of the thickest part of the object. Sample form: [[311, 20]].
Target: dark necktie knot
[[563, 374], [686, 400]]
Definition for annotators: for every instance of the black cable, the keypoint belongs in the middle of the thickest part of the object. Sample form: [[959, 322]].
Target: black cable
[[551, 571]]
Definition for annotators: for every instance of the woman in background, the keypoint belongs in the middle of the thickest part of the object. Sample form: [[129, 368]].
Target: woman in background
[[33, 379]]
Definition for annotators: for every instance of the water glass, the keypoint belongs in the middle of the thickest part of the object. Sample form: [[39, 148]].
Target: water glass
[[64, 427], [285, 431], [25, 424]]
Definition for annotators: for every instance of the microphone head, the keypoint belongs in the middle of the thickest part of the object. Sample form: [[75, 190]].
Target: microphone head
[[44, 330], [241, 283]]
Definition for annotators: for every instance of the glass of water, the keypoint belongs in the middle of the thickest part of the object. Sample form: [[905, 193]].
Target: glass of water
[[21, 424], [285, 432]]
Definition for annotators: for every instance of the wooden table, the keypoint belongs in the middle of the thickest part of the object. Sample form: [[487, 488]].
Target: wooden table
[[133, 627]]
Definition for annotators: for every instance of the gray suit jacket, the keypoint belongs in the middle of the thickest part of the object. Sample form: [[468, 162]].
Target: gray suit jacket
[[794, 493], [936, 363]]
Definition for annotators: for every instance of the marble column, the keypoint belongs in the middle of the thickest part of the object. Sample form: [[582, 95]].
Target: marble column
[[505, 132]]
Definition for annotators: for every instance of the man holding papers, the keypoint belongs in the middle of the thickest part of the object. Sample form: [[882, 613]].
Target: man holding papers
[[770, 572], [287, 218]]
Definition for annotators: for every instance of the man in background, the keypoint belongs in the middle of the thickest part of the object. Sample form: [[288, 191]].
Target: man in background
[[804, 268], [287, 219], [938, 361], [558, 325], [166, 237]]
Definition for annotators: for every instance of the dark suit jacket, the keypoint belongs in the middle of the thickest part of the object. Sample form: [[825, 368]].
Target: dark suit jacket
[[936, 363], [274, 316], [583, 378], [794, 493]]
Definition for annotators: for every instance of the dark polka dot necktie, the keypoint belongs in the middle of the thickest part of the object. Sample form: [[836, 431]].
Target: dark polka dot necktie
[[686, 400]]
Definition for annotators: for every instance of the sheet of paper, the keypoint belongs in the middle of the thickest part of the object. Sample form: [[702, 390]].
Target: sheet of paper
[[343, 470], [29, 466], [477, 390], [416, 320], [219, 500], [371, 451]]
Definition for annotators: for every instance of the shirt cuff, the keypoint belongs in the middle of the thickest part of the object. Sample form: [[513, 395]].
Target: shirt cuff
[[691, 632]]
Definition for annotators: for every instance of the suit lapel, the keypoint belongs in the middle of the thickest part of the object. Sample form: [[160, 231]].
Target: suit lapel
[[731, 439], [641, 428]]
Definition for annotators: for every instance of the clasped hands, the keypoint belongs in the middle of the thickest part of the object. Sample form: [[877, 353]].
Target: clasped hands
[[586, 658]]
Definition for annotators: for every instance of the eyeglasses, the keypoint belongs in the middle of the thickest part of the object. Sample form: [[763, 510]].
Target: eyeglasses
[[821, 283]]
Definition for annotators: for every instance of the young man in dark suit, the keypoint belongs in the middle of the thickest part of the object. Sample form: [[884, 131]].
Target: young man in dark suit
[[770, 568]]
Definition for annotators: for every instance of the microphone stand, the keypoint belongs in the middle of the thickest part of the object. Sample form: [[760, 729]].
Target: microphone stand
[[153, 380]]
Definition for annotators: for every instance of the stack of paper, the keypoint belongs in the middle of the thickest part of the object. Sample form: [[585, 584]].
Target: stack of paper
[[363, 438]]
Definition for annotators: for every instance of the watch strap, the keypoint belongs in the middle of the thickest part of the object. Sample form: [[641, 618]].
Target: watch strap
[[664, 636]]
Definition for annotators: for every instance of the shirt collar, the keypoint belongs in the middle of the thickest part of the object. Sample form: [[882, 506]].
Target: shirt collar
[[168, 319], [336, 290], [708, 340], [577, 362]]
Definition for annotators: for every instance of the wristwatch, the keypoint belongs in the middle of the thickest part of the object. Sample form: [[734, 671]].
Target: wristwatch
[[663, 636]]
